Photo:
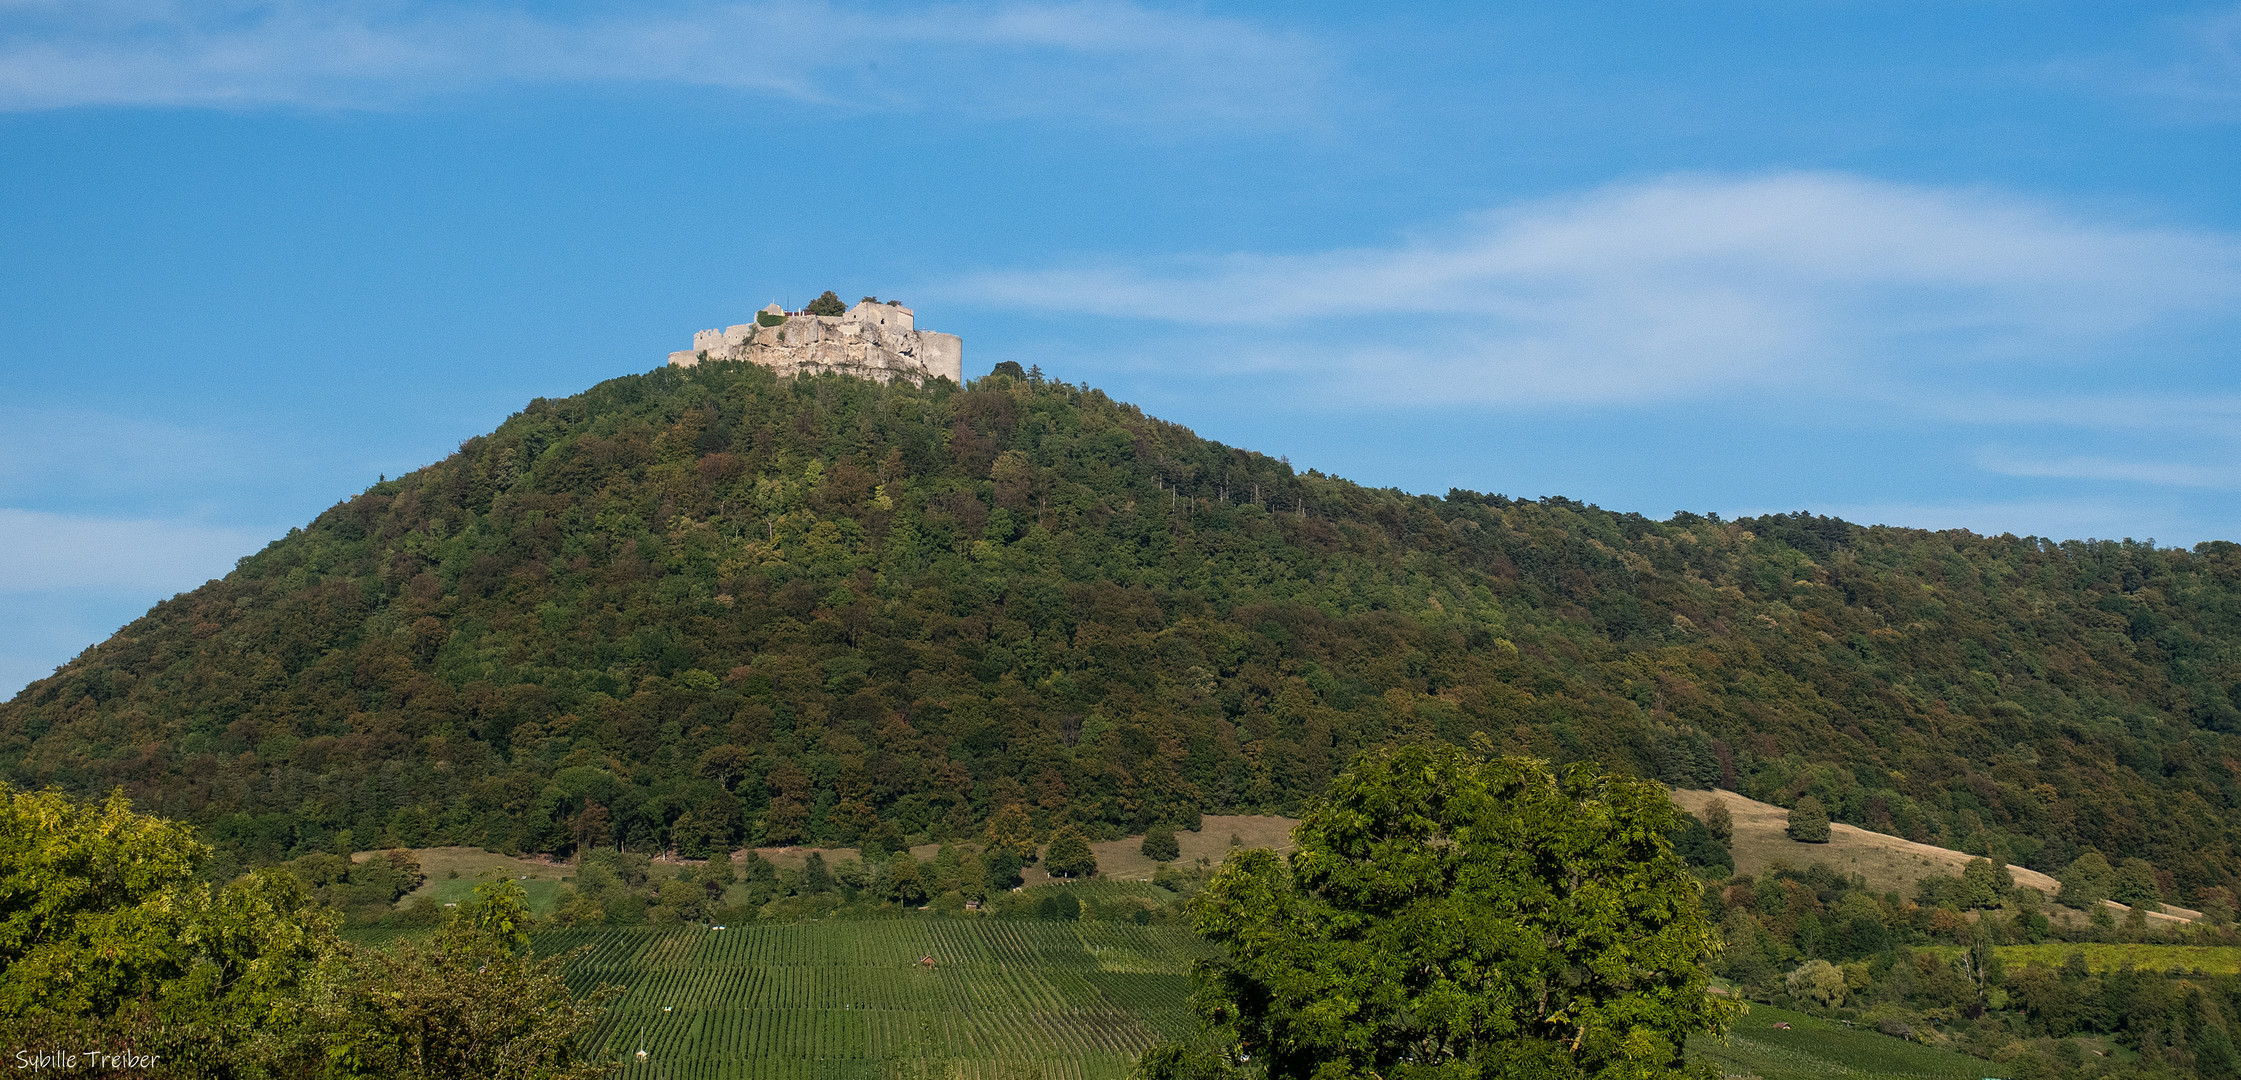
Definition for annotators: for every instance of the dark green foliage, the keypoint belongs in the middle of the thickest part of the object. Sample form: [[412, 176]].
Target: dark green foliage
[[1450, 916], [903, 883], [815, 877], [1720, 822], [1069, 855], [1696, 846], [769, 318], [1010, 368], [472, 1003], [883, 841], [363, 891], [2087, 881], [1003, 869], [915, 606], [1058, 905], [2135, 883], [827, 303], [1160, 844], [1809, 823]]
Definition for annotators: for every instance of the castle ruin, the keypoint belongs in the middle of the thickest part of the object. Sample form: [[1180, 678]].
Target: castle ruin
[[872, 340]]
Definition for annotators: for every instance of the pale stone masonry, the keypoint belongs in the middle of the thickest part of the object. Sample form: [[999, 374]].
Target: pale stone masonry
[[875, 341]]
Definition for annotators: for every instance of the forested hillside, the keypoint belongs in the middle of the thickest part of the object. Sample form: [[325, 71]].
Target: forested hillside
[[697, 607]]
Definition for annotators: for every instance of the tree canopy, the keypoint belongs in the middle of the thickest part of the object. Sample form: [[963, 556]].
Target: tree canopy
[[1069, 855], [1809, 823], [827, 303], [1160, 844], [1449, 916], [703, 607], [109, 939]]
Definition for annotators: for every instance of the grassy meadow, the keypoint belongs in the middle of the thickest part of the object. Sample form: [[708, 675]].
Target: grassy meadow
[[1889, 863]]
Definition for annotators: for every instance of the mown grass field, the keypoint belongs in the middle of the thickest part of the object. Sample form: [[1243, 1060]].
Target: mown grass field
[[1889, 863], [453, 872], [1812, 1049]]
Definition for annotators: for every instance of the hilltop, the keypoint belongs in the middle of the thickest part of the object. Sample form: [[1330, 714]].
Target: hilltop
[[710, 606]]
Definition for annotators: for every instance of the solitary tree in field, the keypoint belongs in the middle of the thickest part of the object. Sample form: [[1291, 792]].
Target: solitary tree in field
[[1454, 917], [1160, 844], [1722, 823], [1069, 854], [1809, 824]]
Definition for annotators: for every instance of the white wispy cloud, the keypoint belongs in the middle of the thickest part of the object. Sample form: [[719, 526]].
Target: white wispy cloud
[[2207, 475], [1680, 287], [47, 552], [2193, 67], [1107, 59]]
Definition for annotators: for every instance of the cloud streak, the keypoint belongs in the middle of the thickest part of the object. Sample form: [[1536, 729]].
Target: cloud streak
[[1105, 59], [1683, 287]]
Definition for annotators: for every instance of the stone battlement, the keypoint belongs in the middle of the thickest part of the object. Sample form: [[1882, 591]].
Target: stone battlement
[[874, 341]]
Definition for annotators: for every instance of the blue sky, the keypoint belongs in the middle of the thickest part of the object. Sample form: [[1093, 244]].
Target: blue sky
[[1955, 264]]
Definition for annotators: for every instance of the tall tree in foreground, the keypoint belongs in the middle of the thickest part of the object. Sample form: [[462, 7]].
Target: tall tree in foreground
[[1456, 917], [109, 942], [475, 1002]]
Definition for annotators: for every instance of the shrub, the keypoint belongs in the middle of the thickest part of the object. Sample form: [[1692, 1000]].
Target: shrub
[[1720, 822], [1809, 824], [768, 318]]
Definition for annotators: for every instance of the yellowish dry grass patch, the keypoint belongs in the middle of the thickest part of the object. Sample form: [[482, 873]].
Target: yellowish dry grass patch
[[1889, 863]]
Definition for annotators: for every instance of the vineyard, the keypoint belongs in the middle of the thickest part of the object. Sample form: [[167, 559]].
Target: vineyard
[[1809, 1048], [1002, 1000]]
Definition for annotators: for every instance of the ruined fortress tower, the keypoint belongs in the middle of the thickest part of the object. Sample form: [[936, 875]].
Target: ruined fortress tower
[[873, 340]]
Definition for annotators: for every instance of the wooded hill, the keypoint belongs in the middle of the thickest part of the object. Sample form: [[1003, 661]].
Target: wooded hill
[[701, 607]]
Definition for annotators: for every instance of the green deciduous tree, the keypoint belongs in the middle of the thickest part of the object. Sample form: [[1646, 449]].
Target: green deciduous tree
[[1160, 844], [2087, 880], [1455, 917], [1010, 829], [827, 303], [1069, 854], [1809, 824], [93, 902], [474, 1002], [1819, 982], [904, 883], [1720, 822], [1984, 885]]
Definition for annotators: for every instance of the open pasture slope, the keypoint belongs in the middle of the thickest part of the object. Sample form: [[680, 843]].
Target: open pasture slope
[[1003, 999]]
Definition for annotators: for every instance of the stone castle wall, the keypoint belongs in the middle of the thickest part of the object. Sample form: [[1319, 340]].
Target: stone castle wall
[[874, 341]]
